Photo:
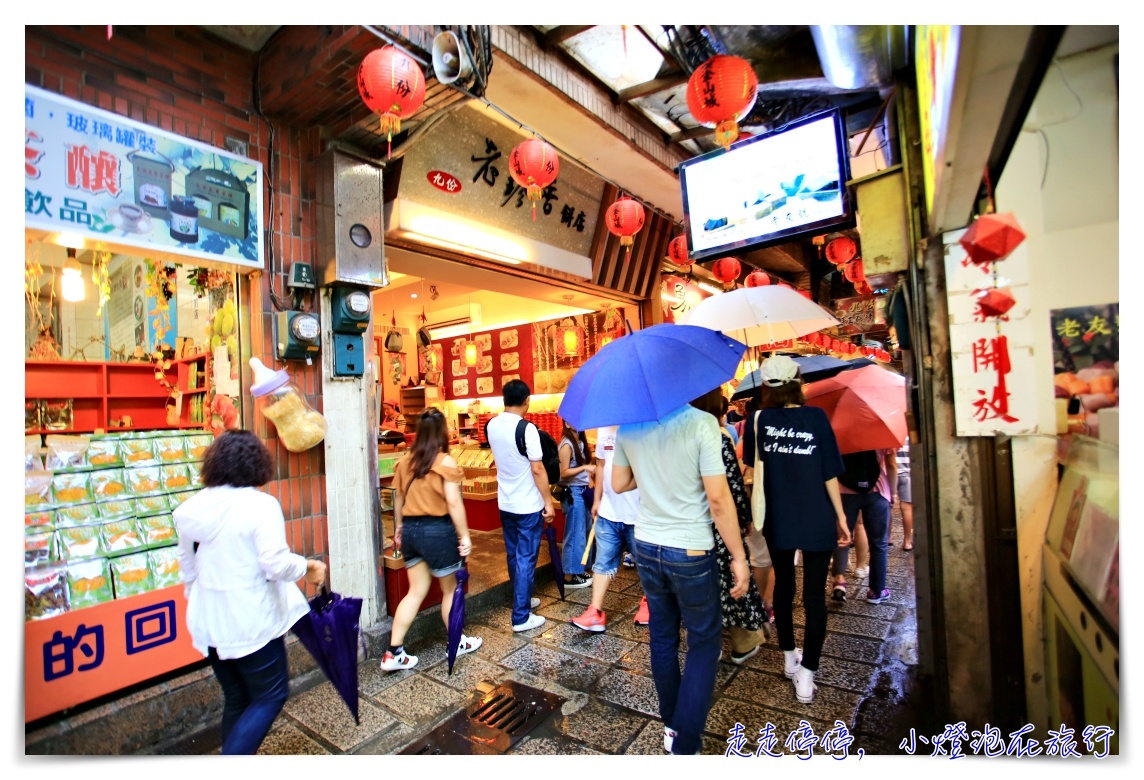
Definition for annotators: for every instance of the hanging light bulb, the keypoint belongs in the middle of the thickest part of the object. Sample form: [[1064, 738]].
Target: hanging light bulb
[[569, 336], [72, 283], [472, 353]]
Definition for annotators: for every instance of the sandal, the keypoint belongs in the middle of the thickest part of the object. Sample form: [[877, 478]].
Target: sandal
[[908, 545]]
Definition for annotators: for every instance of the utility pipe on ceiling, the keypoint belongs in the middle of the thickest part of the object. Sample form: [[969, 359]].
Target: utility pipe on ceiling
[[854, 56]]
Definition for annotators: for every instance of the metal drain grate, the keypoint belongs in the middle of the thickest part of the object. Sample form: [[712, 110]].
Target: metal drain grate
[[492, 725]]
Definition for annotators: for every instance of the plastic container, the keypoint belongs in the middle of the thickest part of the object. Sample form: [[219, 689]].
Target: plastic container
[[282, 403]]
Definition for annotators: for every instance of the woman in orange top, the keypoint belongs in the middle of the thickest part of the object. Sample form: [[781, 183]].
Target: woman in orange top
[[427, 497]]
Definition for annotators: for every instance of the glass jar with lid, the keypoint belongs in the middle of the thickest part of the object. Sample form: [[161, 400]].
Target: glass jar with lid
[[299, 426]]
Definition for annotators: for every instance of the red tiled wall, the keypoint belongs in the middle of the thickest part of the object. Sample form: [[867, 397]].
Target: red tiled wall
[[186, 81]]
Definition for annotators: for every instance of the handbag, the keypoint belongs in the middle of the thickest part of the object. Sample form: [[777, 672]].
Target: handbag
[[758, 499]]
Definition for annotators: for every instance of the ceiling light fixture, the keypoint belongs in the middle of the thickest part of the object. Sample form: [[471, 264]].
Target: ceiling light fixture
[[72, 283]]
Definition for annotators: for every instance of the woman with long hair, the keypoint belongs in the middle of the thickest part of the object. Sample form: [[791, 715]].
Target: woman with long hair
[[744, 618], [575, 469], [241, 585], [800, 464], [431, 531]]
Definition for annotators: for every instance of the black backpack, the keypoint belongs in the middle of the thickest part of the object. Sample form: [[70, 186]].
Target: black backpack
[[862, 471], [549, 451]]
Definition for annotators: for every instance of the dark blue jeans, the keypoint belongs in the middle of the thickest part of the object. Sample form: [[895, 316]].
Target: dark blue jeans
[[521, 548], [575, 530], [681, 587], [254, 689], [875, 511]]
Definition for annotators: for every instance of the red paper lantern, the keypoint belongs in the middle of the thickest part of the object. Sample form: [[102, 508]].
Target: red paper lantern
[[533, 164], [994, 301], [863, 288], [720, 92], [677, 252], [726, 269], [392, 85], [806, 294], [624, 218], [990, 238], [841, 250], [851, 348], [757, 279], [854, 271]]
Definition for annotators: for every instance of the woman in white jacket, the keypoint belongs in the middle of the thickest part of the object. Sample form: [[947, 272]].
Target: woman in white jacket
[[240, 580]]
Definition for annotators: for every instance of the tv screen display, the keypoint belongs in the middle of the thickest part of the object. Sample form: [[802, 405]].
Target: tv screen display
[[768, 189]]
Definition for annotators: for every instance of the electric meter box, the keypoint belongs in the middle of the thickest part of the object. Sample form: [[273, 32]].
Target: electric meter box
[[349, 355], [298, 335], [349, 310]]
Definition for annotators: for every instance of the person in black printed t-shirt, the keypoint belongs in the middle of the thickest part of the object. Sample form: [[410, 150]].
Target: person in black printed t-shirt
[[801, 464]]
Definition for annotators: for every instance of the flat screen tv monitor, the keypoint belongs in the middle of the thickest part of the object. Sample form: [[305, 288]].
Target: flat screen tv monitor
[[769, 189]]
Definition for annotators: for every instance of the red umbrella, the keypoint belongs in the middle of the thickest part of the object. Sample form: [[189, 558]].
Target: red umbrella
[[866, 407]]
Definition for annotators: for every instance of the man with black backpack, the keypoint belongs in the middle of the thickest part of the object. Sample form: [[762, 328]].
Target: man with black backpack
[[524, 497], [867, 487]]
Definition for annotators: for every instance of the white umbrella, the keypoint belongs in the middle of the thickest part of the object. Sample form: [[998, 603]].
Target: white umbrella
[[761, 315]]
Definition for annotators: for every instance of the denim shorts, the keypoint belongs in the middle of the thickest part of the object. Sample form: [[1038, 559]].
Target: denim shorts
[[904, 493], [611, 539], [433, 540]]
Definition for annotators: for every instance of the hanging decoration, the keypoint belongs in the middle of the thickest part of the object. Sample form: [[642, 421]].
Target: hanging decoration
[[990, 239], [841, 250], [757, 279], [726, 269], [854, 271], [625, 218], [393, 86], [534, 165], [720, 92], [569, 339], [471, 352], [993, 302], [677, 252], [806, 294]]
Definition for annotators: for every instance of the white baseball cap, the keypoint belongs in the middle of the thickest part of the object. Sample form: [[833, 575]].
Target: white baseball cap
[[778, 370]]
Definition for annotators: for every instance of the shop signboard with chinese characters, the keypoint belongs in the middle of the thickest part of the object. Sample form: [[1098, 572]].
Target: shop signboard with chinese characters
[[860, 314], [994, 377], [461, 168], [678, 296], [108, 178], [81, 655]]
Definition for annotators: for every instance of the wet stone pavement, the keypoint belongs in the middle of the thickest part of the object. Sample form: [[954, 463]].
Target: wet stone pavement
[[865, 681]]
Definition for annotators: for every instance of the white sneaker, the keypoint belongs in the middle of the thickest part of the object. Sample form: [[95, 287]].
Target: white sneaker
[[393, 663], [804, 687], [668, 739], [468, 644], [792, 661], [534, 621], [534, 603], [863, 572]]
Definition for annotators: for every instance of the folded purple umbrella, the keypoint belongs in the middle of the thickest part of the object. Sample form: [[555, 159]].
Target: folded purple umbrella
[[456, 618], [331, 631], [554, 554]]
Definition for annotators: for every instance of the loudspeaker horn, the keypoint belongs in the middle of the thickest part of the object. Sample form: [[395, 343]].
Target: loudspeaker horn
[[449, 59]]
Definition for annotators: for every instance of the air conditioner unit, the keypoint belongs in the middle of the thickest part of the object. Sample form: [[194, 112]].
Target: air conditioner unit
[[454, 321]]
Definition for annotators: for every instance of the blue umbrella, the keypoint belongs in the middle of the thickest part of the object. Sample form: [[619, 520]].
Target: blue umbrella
[[647, 374], [456, 618], [331, 631], [554, 554]]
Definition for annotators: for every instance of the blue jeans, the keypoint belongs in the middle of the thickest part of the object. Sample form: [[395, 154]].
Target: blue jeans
[[521, 548], [575, 530], [254, 689], [681, 587], [611, 539], [875, 511]]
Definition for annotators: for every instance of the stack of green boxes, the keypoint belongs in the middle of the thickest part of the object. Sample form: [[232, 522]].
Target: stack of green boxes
[[104, 530]]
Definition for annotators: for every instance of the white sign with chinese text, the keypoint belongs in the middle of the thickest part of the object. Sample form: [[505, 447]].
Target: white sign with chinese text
[[994, 379]]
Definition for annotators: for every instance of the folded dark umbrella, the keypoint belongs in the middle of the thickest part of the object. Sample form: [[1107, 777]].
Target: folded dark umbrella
[[330, 631], [554, 554], [456, 618]]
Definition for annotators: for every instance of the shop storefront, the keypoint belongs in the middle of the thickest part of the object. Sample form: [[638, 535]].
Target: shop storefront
[[137, 244]]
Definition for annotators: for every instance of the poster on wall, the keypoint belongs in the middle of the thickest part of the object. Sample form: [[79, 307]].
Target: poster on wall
[[498, 361], [994, 377], [101, 175], [678, 296], [1086, 359]]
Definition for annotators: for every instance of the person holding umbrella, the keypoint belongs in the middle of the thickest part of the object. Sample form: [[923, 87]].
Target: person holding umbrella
[[241, 585], [800, 465], [431, 531]]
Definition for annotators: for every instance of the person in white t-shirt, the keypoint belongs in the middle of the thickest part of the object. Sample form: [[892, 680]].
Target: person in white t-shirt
[[523, 497], [615, 516]]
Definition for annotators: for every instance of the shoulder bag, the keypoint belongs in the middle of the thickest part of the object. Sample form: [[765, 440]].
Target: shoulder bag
[[758, 499]]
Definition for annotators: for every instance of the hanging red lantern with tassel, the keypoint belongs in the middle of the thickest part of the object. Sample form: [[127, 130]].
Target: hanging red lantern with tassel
[[677, 252], [534, 165], [757, 279], [720, 92], [841, 250], [624, 218], [726, 269], [991, 238], [806, 294], [863, 288], [392, 85], [854, 271]]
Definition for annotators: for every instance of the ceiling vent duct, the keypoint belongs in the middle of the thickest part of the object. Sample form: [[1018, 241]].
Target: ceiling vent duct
[[854, 56]]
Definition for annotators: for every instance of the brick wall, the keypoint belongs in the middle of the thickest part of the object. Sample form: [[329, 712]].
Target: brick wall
[[186, 81]]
